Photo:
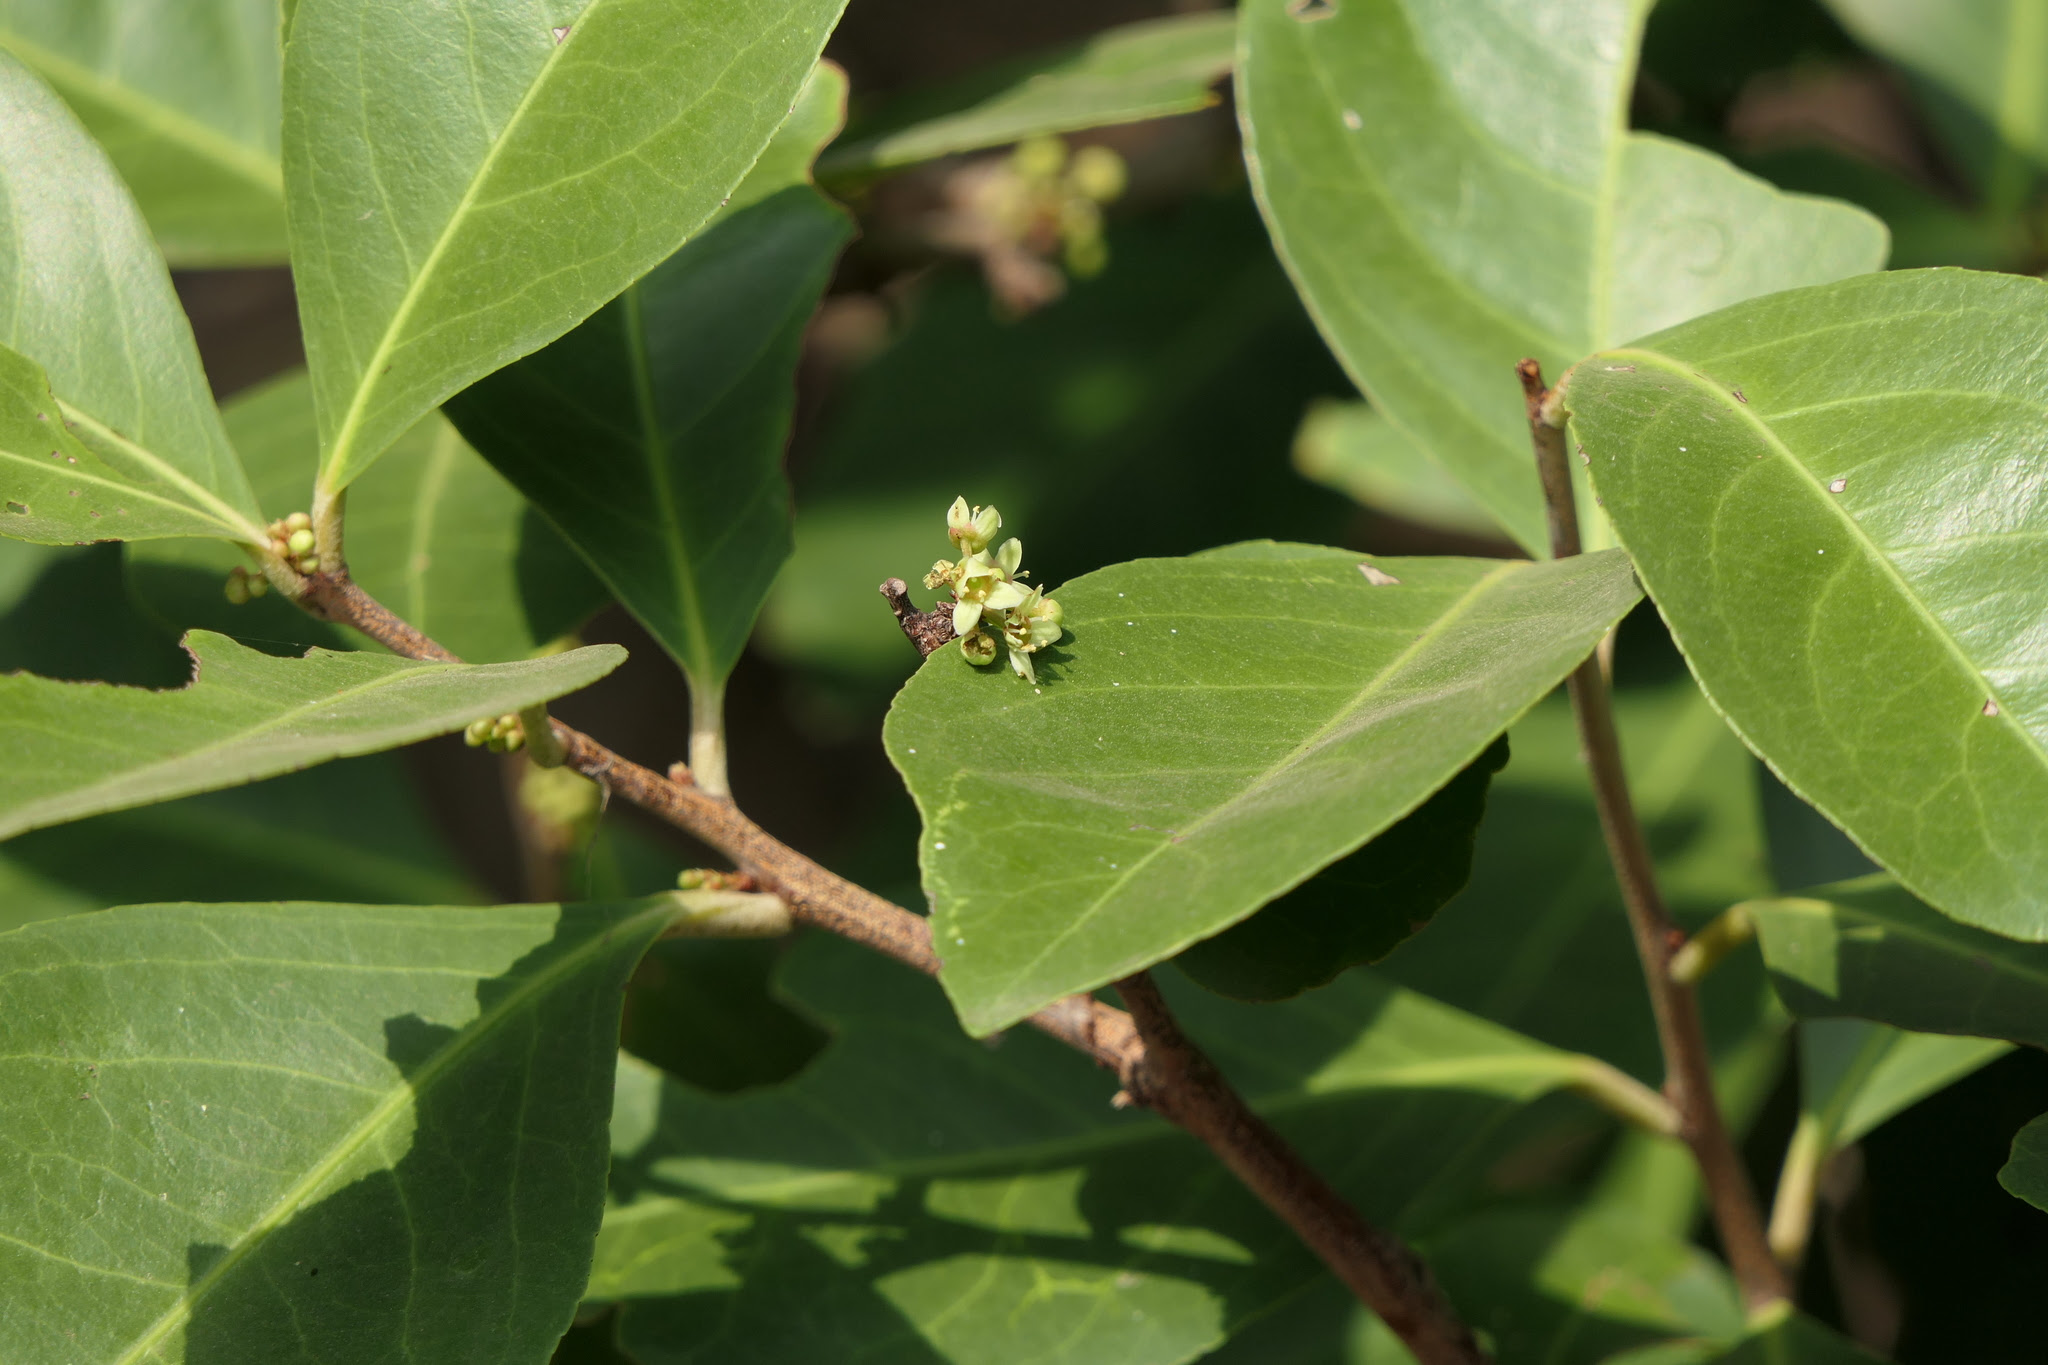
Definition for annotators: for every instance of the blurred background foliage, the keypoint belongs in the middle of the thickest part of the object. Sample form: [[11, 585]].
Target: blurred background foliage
[[1155, 390]]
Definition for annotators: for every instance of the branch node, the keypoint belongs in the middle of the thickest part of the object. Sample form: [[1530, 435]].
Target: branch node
[[925, 629]]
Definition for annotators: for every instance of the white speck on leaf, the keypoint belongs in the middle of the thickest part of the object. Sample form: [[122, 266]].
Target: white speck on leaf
[[1352, 120], [910, 751], [939, 845], [560, 34], [1379, 578], [1990, 708], [1838, 485]]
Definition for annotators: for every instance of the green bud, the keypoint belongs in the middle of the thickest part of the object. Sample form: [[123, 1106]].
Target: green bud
[[514, 741], [1098, 173], [309, 564], [298, 521], [237, 589], [979, 647], [477, 732], [1039, 158], [300, 542], [691, 878], [258, 585]]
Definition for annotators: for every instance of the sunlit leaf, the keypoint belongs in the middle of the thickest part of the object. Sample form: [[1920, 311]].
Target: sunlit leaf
[[78, 749], [1138, 71], [130, 445], [464, 184], [1210, 732], [1455, 187], [652, 435], [184, 97], [305, 1132], [1839, 500], [1351, 448]]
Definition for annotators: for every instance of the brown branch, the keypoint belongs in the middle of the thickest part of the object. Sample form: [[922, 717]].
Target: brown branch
[[1161, 1069], [925, 629], [1688, 1066], [1172, 1077]]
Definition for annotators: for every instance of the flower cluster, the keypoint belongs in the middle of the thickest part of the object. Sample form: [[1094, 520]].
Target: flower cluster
[[990, 602], [291, 539], [1050, 200]]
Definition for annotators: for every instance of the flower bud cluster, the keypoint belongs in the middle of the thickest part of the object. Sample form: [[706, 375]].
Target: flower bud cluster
[[991, 604], [1052, 199], [500, 734], [708, 879], [291, 539], [243, 585]]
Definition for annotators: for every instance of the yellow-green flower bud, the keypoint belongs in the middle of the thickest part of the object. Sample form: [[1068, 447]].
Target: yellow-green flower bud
[[300, 541], [478, 732], [979, 646], [1039, 158], [298, 521], [309, 564], [237, 589], [515, 741], [1098, 173], [258, 585], [941, 574]]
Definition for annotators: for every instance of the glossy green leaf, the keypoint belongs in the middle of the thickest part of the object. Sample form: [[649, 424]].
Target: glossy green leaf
[[652, 435], [302, 1133], [1455, 188], [353, 830], [2025, 1174], [466, 184], [1138, 71], [434, 533], [79, 749], [1209, 733], [1351, 448], [87, 313], [1868, 949], [988, 1206], [1837, 497], [1359, 908], [184, 97]]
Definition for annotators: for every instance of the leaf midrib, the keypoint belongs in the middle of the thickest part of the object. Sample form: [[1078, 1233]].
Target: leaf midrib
[[222, 510], [200, 138], [1746, 415], [372, 373], [373, 1123], [1260, 781]]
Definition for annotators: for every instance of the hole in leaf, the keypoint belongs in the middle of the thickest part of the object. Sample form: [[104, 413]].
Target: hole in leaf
[[20, 508]]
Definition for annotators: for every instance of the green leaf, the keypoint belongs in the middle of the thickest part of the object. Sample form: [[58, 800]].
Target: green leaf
[[1210, 733], [464, 186], [434, 533], [353, 830], [1351, 448], [652, 435], [1137, 71], [1868, 949], [1359, 908], [87, 313], [1836, 497], [304, 1133], [978, 1205], [1853, 1075], [80, 749], [185, 100], [2025, 1174], [1455, 189]]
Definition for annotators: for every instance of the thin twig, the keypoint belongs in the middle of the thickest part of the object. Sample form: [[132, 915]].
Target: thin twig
[[1172, 1077], [1178, 1082], [1688, 1066]]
